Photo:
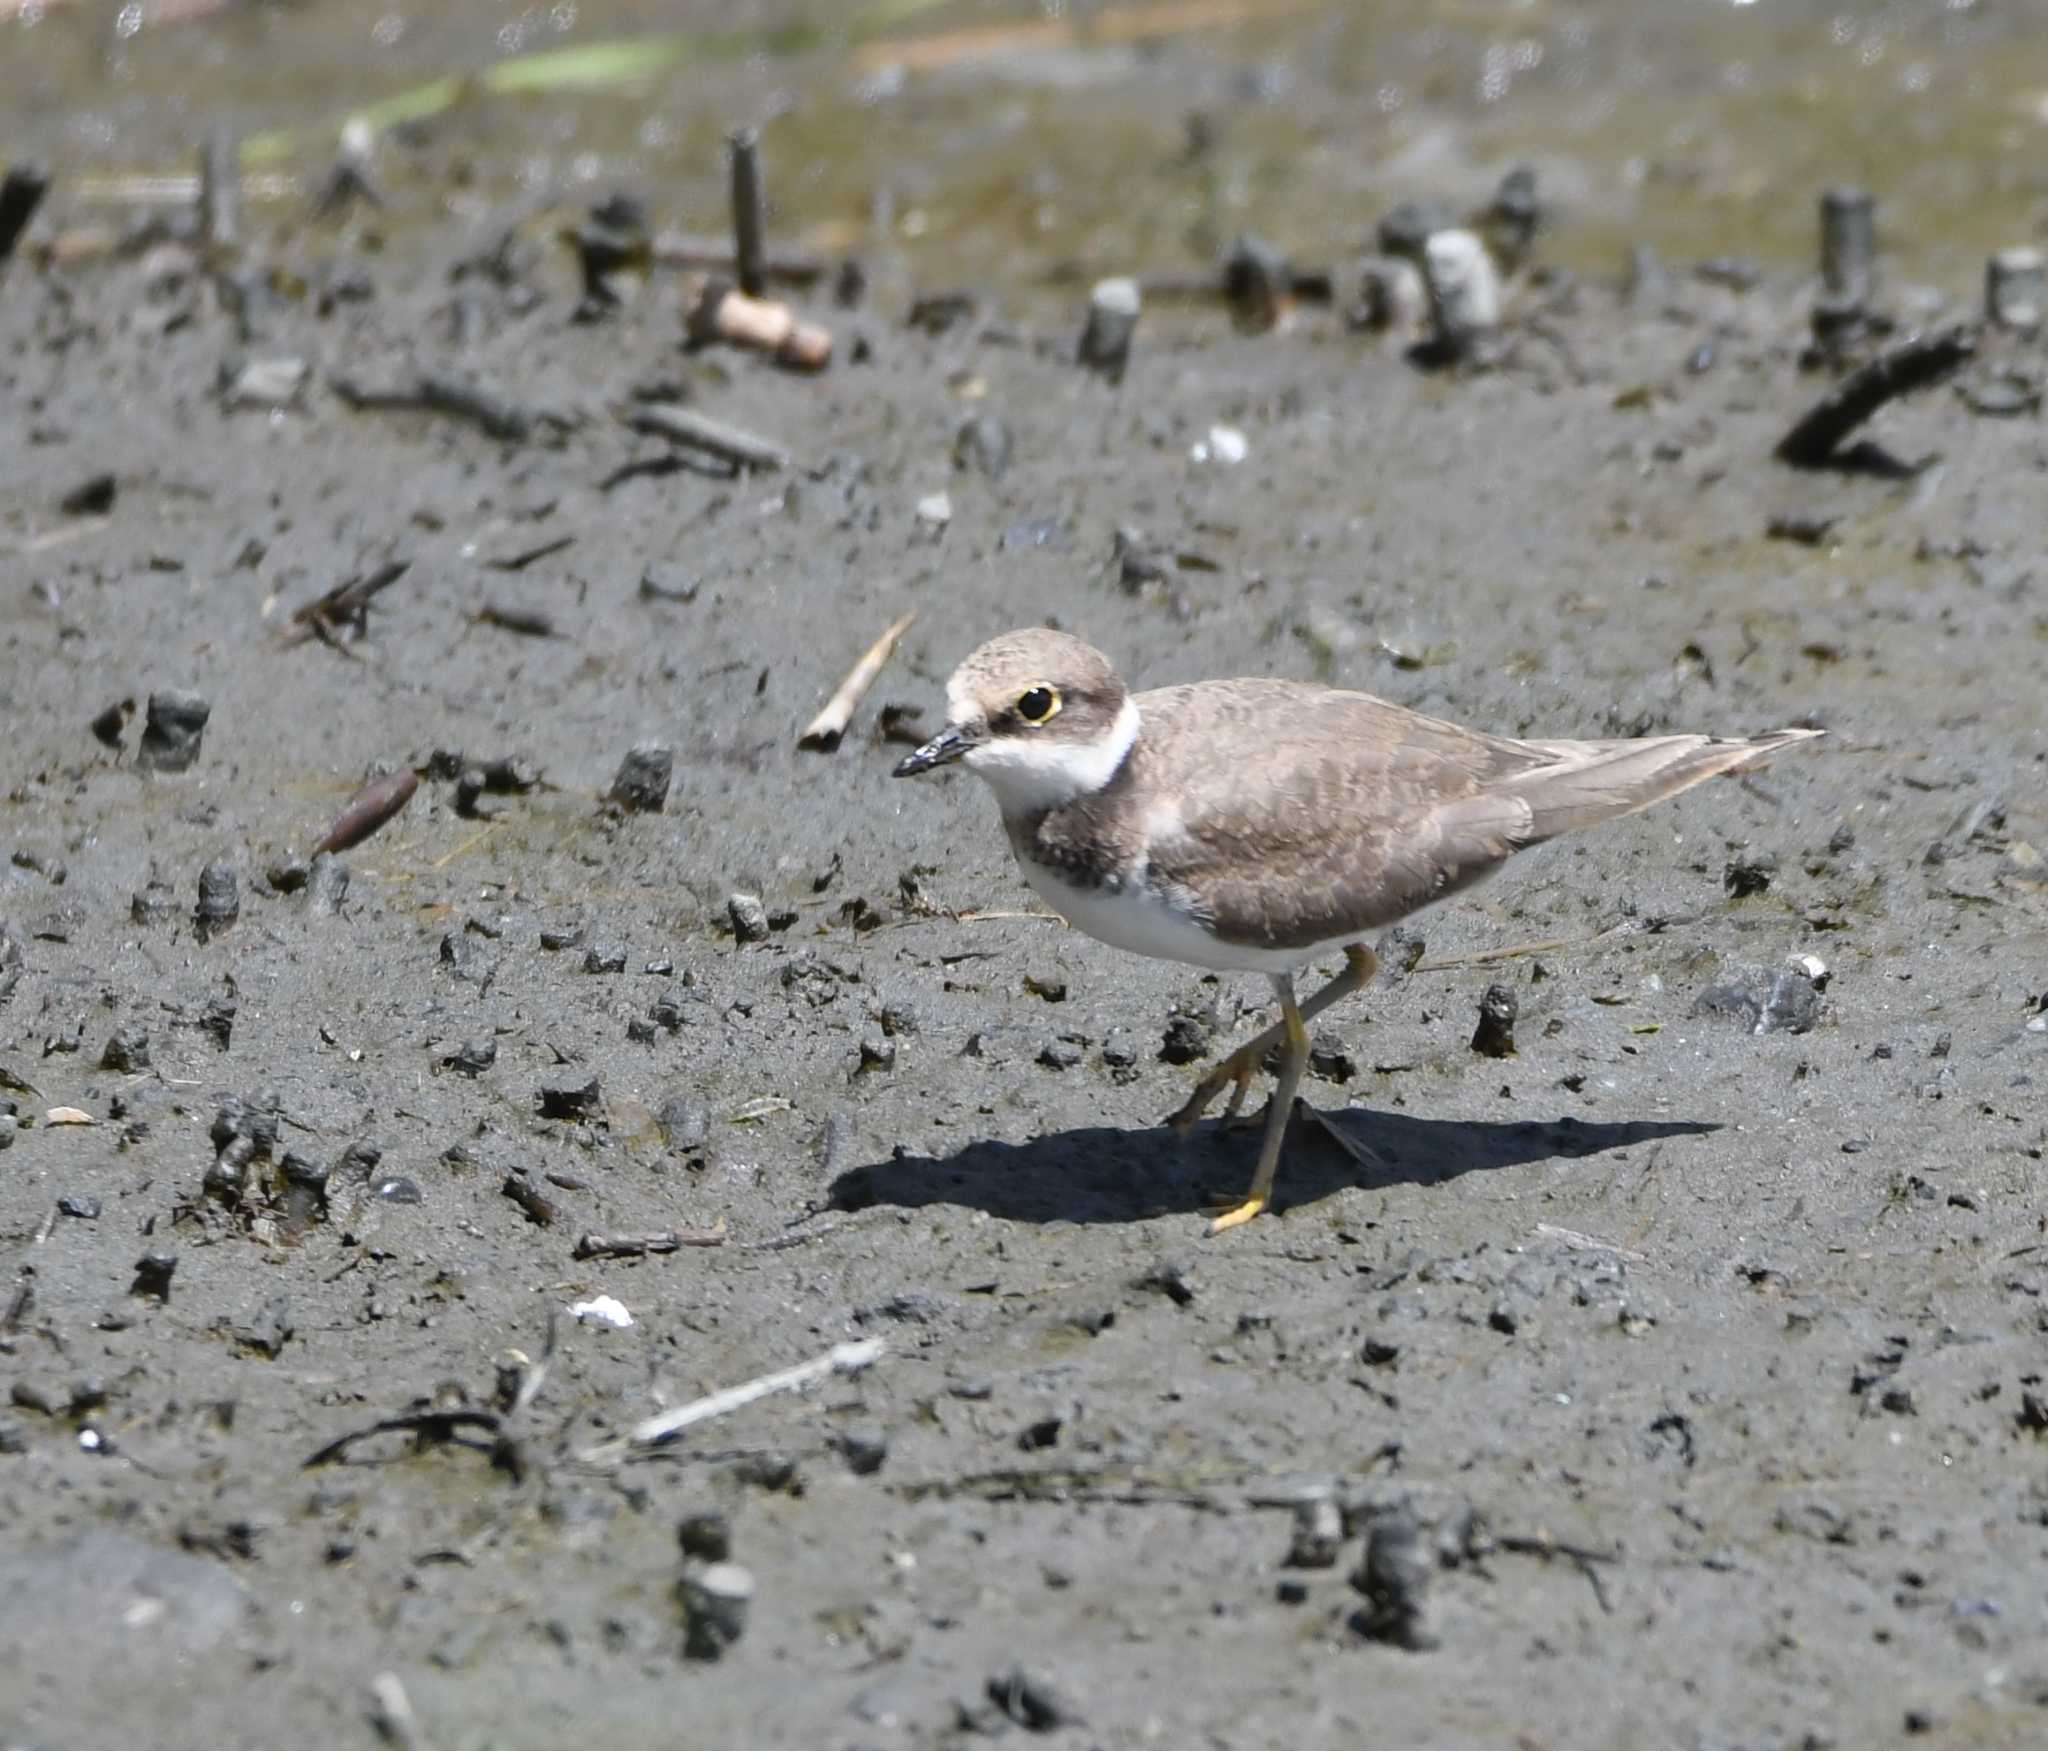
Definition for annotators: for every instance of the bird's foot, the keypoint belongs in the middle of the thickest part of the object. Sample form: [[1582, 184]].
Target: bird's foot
[[1235, 1072], [1228, 1213]]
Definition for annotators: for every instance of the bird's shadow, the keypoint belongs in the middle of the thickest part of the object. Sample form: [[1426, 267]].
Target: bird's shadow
[[1098, 1174]]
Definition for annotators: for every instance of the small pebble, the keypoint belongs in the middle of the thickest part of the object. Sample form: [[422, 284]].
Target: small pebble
[[78, 1205], [1395, 1579], [127, 1051], [641, 785], [153, 1273], [604, 957], [1749, 874], [749, 917], [473, 1057], [1060, 1054], [1187, 1039], [717, 1597], [220, 898], [1318, 1534], [707, 1536], [1113, 309], [326, 885], [172, 727], [1494, 1037], [864, 1450]]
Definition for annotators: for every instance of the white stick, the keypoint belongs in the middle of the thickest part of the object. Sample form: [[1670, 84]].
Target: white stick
[[840, 1359], [829, 725]]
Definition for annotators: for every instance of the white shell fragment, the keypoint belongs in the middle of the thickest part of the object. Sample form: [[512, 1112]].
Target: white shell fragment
[[68, 1116], [1225, 445], [602, 1310]]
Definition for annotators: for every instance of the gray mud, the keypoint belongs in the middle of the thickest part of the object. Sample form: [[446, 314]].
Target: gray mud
[[1706, 1360]]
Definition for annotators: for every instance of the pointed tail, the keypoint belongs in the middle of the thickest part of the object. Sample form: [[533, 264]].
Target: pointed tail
[[1579, 783]]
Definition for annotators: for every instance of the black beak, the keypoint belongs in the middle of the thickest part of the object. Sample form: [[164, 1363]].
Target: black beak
[[942, 750]]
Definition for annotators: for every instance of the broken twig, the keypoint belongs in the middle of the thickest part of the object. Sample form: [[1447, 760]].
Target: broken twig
[[656, 1431], [824, 732], [730, 444]]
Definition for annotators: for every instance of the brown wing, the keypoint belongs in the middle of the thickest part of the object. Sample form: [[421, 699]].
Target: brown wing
[[1330, 814]]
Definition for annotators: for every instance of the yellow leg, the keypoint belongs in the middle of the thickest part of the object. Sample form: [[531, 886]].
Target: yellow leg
[[1292, 1063], [1237, 1070]]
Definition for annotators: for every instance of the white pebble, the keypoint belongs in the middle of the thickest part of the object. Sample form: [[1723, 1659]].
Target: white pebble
[[603, 1309]]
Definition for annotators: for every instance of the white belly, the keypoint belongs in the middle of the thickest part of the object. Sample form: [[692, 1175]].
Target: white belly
[[1138, 919]]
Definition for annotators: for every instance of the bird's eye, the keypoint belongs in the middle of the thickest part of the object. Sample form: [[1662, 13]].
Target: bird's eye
[[1038, 705]]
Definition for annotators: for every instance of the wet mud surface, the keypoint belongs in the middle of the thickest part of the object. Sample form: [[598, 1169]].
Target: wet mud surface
[[1675, 1380]]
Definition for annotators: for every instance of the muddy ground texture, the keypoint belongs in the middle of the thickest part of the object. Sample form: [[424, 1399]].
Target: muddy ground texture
[[1681, 1373]]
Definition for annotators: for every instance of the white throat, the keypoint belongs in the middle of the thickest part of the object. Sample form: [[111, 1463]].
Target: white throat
[[1028, 774]]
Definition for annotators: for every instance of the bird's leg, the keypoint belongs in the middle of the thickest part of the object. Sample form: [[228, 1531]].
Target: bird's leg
[[1293, 1062], [1241, 1065]]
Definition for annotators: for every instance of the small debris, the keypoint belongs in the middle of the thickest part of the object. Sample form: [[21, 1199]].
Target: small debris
[[641, 785], [1318, 1534], [370, 808], [1494, 1037], [716, 1598], [825, 731], [21, 192], [1395, 1580], [983, 444], [1464, 294], [79, 1207], [1848, 242], [706, 1535], [1113, 309], [1917, 362], [722, 312], [153, 1273], [68, 1116], [1187, 1040], [1786, 1001], [1749, 873], [1031, 1701], [127, 1051], [1807, 528], [1225, 446], [172, 726], [326, 885], [220, 898], [580, 1100], [1258, 284], [2016, 289], [748, 916], [733, 445], [602, 1310]]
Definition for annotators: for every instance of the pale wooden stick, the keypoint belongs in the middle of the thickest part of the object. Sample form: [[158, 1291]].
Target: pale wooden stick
[[840, 1359], [826, 729]]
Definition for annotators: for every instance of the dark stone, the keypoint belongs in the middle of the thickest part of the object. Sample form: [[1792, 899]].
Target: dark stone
[[1494, 1037], [220, 897], [78, 1205], [153, 1273], [1031, 1701], [707, 1536], [641, 785], [172, 727], [580, 1100], [604, 957], [127, 1051], [1060, 1054], [748, 916], [1749, 874], [864, 1450], [684, 1124], [1187, 1039], [473, 1057], [326, 885], [983, 444], [1395, 1580]]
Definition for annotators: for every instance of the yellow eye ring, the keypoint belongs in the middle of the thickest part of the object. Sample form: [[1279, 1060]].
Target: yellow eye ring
[[1039, 705]]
